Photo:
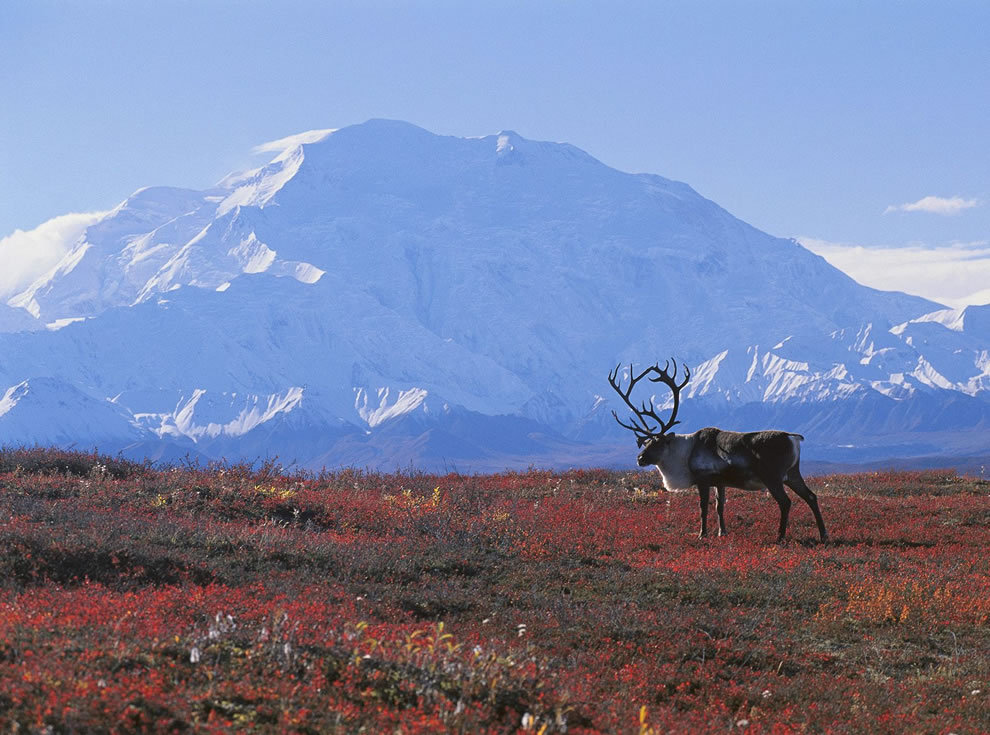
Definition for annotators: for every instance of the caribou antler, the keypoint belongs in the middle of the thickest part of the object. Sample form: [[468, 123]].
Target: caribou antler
[[670, 380], [643, 415]]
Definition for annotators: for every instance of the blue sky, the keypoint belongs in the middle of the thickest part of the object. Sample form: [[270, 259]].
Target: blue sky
[[847, 124]]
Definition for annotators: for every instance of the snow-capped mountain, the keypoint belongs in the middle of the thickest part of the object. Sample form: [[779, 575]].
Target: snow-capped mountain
[[379, 295]]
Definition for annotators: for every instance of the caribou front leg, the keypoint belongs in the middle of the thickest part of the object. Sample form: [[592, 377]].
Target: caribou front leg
[[720, 507], [704, 493]]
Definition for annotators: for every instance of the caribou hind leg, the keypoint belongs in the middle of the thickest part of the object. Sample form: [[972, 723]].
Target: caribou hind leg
[[776, 488], [796, 482]]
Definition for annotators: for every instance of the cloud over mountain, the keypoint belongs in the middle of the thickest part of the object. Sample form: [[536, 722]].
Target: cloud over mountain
[[27, 255], [956, 274], [947, 206]]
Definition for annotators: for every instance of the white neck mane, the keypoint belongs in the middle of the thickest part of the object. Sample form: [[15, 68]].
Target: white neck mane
[[673, 465]]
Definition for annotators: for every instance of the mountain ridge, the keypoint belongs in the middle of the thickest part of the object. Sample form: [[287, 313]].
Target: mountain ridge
[[380, 272]]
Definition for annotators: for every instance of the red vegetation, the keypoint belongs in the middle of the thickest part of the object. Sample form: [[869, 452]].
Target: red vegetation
[[230, 600]]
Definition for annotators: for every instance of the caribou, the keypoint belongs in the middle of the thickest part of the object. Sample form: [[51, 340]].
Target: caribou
[[710, 457]]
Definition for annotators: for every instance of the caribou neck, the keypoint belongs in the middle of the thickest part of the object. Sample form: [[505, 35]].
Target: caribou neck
[[675, 462]]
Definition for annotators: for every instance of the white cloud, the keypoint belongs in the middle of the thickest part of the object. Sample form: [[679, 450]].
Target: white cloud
[[955, 275], [935, 205], [26, 255], [283, 144]]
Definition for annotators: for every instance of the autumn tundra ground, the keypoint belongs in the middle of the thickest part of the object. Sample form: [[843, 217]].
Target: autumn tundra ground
[[231, 600]]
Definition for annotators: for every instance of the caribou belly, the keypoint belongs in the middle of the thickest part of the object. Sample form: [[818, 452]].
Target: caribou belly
[[750, 485], [710, 470]]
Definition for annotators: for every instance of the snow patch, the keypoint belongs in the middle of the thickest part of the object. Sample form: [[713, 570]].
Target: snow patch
[[704, 375], [255, 411], [303, 272], [928, 375], [61, 323], [12, 396], [257, 190], [307, 272], [252, 255], [948, 318], [258, 414], [406, 401]]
